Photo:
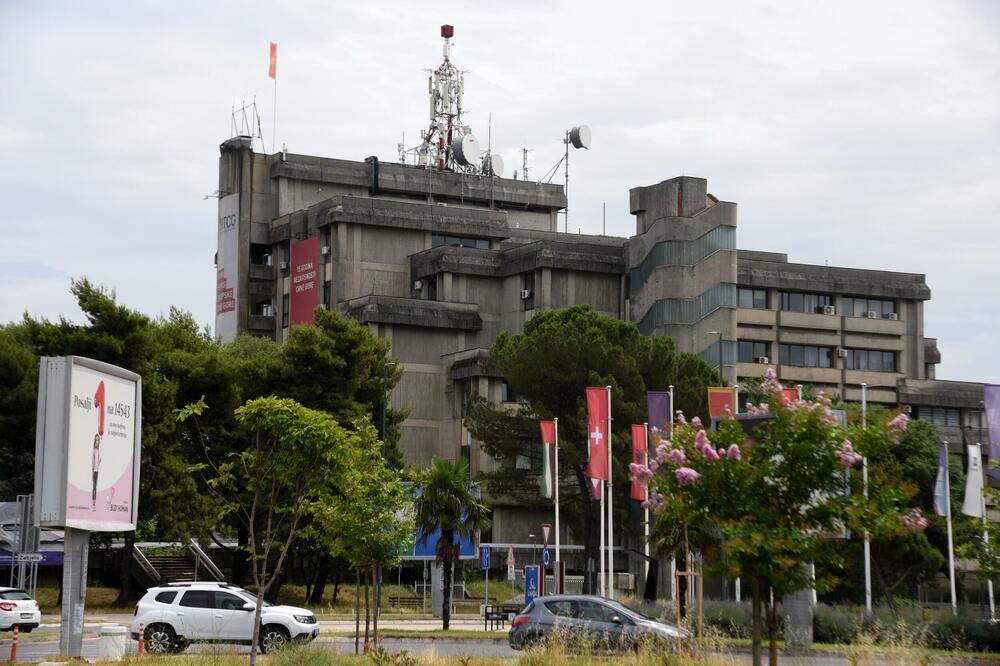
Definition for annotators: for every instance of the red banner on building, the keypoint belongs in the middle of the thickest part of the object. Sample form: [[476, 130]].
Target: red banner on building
[[639, 458], [721, 401], [305, 281]]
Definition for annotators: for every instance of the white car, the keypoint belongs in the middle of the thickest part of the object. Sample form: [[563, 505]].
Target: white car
[[177, 614], [18, 609]]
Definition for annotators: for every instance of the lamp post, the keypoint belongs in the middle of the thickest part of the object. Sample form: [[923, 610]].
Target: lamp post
[[719, 333], [534, 553]]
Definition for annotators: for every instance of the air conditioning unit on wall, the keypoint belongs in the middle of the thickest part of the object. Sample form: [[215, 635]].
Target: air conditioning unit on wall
[[283, 265], [893, 316], [829, 310], [871, 314], [324, 250], [842, 353], [763, 359], [525, 293]]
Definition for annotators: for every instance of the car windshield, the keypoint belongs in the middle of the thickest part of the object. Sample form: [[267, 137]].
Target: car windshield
[[631, 611], [15, 595], [252, 598]]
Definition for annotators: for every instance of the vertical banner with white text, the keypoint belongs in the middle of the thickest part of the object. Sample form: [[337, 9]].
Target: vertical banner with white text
[[227, 267], [305, 281]]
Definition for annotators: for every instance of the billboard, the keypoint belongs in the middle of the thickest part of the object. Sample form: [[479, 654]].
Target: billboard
[[305, 281], [87, 445], [227, 267]]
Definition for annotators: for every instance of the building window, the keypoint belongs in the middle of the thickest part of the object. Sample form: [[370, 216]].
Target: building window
[[260, 254], [939, 415], [326, 242], [527, 294], [750, 351], [284, 310], [872, 360], [432, 289], [752, 298], [437, 240], [860, 307], [795, 301], [326, 294], [263, 309], [805, 356]]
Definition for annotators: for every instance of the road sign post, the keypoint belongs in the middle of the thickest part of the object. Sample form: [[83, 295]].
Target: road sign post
[[485, 551]]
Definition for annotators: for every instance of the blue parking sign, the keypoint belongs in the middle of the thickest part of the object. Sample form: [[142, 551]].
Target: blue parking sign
[[532, 582], [485, 553]]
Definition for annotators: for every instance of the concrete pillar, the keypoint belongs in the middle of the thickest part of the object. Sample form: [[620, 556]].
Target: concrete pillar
[[76, 544]]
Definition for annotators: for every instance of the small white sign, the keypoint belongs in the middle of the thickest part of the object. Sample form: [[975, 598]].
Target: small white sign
[[510, 572], [28, 557]]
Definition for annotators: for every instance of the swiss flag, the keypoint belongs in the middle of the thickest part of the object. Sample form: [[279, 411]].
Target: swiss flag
[[597, 435], [639, 458], [272, 67]]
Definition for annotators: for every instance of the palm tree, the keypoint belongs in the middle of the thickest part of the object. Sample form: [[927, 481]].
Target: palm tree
[[447, 502]]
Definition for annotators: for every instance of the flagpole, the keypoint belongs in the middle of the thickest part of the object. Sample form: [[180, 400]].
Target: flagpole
[[556, 419], [951, 543], [864, 473], [611, 514], [645, 513], [274, 121], [986, 534], [673, 559], [600, 586]]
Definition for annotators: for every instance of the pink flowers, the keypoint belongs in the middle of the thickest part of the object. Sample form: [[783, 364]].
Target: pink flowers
[[757, 410], [847, 455], [640, 473], [696, 422], [677, 456], [701, 440], [680, 417], [710, 453], [770, 384], [897, 426], [914, 520], [686, 476], [734, 452], [662, 452]]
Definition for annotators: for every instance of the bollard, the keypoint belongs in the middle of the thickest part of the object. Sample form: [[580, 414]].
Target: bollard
[[13, 646], [142, 641]]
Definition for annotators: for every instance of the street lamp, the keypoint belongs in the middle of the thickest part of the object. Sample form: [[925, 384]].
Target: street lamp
[[719, 333], [534, 552]]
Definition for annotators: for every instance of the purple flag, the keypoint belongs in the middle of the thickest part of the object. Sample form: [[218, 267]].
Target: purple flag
[[942, 503], [658, 403], [991, 402]]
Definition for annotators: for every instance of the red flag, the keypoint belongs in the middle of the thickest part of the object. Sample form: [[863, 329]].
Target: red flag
[[548, 457], [639, 458], [272, 67], [791, 393], [721, 400], [597, 432]]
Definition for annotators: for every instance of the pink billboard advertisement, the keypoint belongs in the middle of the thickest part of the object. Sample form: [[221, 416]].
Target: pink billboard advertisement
[[305, 281], [100, 452]]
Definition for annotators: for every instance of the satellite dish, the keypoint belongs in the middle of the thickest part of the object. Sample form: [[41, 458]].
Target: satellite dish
[[466, 150], [579, 136], [493, 165]]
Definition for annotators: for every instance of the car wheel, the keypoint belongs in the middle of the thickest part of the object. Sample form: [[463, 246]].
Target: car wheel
[[273, 637], [160, 639]]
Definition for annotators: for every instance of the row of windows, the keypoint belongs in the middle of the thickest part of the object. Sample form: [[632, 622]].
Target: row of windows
[[794, 301], [805, 356], [750, 351], [945, 416], [437, 240], [873, 360]]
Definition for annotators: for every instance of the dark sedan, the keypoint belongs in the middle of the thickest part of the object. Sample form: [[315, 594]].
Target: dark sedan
[[587, 622]]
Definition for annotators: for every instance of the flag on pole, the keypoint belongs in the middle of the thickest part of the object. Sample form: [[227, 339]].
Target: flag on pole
[[973, 504], [991, 404], [639, 458], [548, 457], [658, 406], [272, 67], [942, 503], [721, 400], [597, 438]]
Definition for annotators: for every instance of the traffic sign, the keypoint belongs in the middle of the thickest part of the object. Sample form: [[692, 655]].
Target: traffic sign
[[532, 583], [510, 573], [485, 551], [29, 557], [510, 556], [546, 558], [546, 528]]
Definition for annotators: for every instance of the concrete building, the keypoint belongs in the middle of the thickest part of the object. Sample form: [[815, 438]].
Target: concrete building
[[439, 262]]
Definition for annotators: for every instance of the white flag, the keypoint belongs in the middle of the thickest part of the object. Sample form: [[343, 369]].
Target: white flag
[[942, 505], [973, 504]]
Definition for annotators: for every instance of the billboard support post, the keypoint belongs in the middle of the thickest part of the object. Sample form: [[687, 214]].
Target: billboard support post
[[75, 544]]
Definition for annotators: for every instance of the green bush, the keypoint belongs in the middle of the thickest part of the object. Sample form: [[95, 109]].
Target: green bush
[[731, 618], [832, 625], [965, 632]]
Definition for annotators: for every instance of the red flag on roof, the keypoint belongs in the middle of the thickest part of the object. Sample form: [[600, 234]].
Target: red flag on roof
[[272, 67]]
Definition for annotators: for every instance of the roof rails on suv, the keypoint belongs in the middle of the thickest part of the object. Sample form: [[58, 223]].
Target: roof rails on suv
[[201, 582]]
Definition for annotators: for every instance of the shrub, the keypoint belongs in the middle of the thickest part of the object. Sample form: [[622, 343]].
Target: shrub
[[965, 632], [832, 625]]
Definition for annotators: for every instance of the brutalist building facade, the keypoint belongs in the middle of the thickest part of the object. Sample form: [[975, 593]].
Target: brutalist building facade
[[438, 263]]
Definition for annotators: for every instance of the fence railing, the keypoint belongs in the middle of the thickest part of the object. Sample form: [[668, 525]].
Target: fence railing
[[201, 559]]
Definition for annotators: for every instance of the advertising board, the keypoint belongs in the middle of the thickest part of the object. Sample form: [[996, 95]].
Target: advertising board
[[227, 267], [87, 445], [305, 281]]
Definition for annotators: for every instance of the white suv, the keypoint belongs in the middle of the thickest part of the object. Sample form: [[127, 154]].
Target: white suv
[[178, 614], [18, 609]]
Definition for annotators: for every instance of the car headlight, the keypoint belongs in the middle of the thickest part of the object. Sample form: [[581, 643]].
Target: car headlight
[[305, 619]]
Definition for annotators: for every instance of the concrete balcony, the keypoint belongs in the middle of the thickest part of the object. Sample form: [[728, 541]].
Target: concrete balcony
[[261, 272], [876, 326], [260, 324], [809, 321], [755, 317]]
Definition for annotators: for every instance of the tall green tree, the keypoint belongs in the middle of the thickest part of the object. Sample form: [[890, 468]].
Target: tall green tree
[[18, 395], [296, 455], [548, 367], [447, 501]]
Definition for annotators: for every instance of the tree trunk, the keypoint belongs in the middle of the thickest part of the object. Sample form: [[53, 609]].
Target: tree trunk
[[368, 617], [682, 587], [319, 587], [241, 562], [446, 597], [376, 609], [889, 599], [125, 572], [256, 628], [772, 631], [357, 608], [336, 588], [755, 630]]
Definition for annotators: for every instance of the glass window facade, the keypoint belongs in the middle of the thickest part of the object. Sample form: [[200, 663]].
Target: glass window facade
[[797, 301], [860, 307], [805, 356], [872, 360], [751, 350], [437, 240], [944, 416], [751, 298]]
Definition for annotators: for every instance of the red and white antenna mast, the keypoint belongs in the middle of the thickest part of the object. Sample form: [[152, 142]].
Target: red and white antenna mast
[[448, 143]]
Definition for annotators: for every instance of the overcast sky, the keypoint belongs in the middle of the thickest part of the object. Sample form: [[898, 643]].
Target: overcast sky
[[860, 134]]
